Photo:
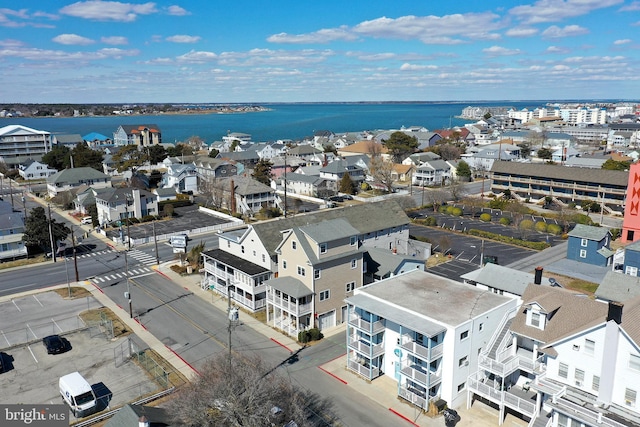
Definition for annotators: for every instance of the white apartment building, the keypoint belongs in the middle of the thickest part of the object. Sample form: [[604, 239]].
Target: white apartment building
[[562, 359], [424, 331], [20, 143]]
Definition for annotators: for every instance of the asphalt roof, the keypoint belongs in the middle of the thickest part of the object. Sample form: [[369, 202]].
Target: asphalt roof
[[589, 232], [500, 277], [618, 287], [557, 172], [76, 175], [290, 286], [238, 263]]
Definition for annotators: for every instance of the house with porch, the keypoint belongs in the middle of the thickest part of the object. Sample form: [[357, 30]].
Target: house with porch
[[561, 359], [326, 259], [423, 331], [33, 169], [71, 179], [590, 245], [182, 178], [337, 169], [11, 232], [244, 195], [118, 204], [432, 172]]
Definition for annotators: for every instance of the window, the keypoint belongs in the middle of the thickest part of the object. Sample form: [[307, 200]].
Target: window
[[242, 248], [583, 253], [535, 319], [464, 361], [563, 370], [464, 335], [264, 258], [354, 263], [631, 271], [301, 271], [254, 253], [324, 295], [316, 273], [595, 384], [634, 362], [563, 420], [353, 241], [461, 387], [351, 286], [284, 264], [589, 347], [630, 235], [579, 377], [293, 244], [323, 248], [481, 327], [630, 397], [583, 242]]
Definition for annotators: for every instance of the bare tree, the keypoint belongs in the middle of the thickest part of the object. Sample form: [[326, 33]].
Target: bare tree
[[382, 172], [436, 198], [213, 192], [244, 391], [406, 202], [456, 190]]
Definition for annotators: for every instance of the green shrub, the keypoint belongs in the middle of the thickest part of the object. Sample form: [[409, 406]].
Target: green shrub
[[554, 229], [541, 226], [506, 239], [456, 211], [443, 209], [486, 217], [526, 224], [431, 221], [312, 334], [505, 220]]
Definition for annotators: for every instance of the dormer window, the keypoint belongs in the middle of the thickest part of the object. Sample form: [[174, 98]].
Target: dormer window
[[323, 248], [535, 318]]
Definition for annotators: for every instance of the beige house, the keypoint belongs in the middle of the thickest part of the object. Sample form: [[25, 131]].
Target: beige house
[[319, 266]]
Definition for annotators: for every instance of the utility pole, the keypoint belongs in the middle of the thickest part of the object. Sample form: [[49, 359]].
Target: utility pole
[[285, 184], [75, 258], [128, 293], [53, 249], [11, 193], [155, 241], [233, 320]]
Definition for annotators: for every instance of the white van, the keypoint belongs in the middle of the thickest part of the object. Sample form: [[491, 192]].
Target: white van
[[77, 393]]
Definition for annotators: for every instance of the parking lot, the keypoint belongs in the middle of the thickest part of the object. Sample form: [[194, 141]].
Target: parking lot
[[31, 375]]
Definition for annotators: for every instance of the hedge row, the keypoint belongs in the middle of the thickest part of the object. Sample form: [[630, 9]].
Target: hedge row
[[506, 239]]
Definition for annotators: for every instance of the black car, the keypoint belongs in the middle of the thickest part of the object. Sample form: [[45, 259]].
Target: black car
[[55, 344]]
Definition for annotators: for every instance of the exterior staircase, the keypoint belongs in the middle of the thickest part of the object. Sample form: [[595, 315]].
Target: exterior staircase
[[493, 351], [542, 420]]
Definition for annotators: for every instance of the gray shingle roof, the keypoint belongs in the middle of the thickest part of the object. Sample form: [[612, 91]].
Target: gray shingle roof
[[236, 262], [327, 231], [75, 175], [500, 277], [589, 232], [618, 287], [290, 286]]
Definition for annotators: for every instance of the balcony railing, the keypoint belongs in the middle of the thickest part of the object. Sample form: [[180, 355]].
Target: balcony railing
[[248, 303], [368, 372], [508, 361], [365, 348], [500, 397], [415, 397], [294, 308], [427, 378], [360, 323], [420, 350]]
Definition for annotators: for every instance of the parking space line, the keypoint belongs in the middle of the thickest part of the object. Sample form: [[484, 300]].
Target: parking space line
[[34, 334], [57, 326], [36, 298], [6, 339], [32, 355], [14, 303]]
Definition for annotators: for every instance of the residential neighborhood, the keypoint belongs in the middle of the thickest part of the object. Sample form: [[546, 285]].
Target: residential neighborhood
[[361, 238]]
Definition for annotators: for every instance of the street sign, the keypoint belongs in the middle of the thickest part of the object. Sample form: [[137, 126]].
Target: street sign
[[179, 250]]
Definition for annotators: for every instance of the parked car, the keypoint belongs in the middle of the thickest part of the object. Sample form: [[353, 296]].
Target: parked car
[[87, 220], [55, 344]]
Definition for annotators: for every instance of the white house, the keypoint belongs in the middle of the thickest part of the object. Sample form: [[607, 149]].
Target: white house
[[120, 203], [562, 359], [33, 169], [69, 179], [424, 331], [432, 172], [182, 178], [20, 143]]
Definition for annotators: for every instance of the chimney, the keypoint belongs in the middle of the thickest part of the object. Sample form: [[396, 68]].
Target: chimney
[[538, 276], [233, 197], [615, 312]]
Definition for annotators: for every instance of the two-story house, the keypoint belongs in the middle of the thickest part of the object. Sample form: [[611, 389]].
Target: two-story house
[[140, 135], [120, 203], [562, 359], [70, 179], [322, 263], [432, 172], [424, 331], [33, 169], [590, 245], [11, 232], [337, 169], [243, 194], [182, 178]]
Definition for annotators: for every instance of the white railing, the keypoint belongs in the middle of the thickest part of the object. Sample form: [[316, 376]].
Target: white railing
[[291, 307], [248, 303], [508, 315], [584, 414], [360, 323], [366, 348], [13, 253], [366, 372], [424, 377], [414, 398], [500, 397], [420, 350]]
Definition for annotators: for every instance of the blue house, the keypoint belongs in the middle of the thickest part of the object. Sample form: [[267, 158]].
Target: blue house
[[632, 258], [590, 245]]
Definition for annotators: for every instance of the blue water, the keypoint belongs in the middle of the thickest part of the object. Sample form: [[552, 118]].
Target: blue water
[[283, 121]]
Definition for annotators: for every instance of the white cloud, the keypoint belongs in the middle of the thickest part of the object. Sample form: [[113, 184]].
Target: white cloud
[[557, 10], [177, 11], [556, 49], [317, 37], [522, 32], [72, 39], [11, 43], [108, 10], [634, 6], [568, 31], [501, 51], [415, 67], [181, 38], [197, 57], [21, 18], [114, 40], [622, 41]]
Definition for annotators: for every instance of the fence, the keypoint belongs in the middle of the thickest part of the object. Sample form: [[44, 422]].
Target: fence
[[35, 332]]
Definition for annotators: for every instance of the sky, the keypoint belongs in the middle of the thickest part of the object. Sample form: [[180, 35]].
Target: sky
[[254, 51]]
